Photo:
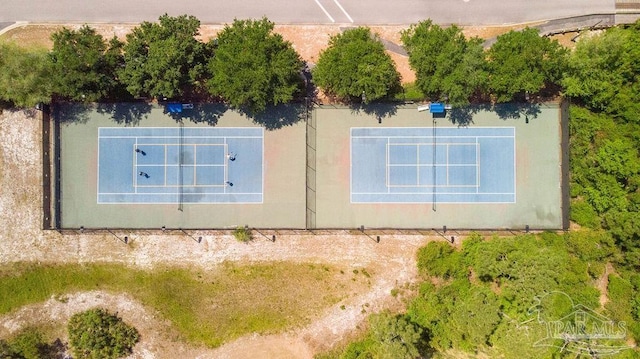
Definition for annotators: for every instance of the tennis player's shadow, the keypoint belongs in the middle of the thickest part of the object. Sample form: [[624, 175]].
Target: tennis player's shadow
[[129, 113]]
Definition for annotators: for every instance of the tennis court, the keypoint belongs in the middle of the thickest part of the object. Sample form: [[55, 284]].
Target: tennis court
[[423, 165], [180, 165]]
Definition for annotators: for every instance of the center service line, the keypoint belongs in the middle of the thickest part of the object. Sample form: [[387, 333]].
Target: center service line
[[325, 11], [343, 11]]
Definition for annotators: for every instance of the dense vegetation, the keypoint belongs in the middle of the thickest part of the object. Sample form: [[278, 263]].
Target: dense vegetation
[[98, 334], [250, 67], [253, 67], [355, 67], [445, 62], [496, 296]]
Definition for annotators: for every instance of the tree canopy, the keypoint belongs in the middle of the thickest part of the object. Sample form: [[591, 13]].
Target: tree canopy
[[84, 65], [445, 62], [254, 67], [96, 333], [356, 67], [24, 75], [523, 61], [164, 59], [604, 72]]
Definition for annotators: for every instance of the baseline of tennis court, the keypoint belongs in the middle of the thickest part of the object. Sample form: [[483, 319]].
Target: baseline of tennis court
[[429, 165], [180, 165]]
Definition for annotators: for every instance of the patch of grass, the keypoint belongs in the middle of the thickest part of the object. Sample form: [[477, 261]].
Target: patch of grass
[[207, 308], [32, 36]]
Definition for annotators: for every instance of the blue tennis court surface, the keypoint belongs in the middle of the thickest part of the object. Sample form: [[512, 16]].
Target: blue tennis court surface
[[428, 165], [180, 165]]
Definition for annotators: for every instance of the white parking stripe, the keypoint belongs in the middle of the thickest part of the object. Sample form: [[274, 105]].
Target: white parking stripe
[[325, 11], [341, 8]]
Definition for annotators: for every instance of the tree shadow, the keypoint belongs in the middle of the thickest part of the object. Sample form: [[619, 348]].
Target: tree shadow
[[71, 112], [463, 115], [126, 113], [380, 110], [201, 113], [275, 117], [517, 110]]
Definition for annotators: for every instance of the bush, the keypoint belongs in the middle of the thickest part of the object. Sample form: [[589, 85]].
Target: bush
[[583, 214], [96, 333], [440, 259], [242, 234]]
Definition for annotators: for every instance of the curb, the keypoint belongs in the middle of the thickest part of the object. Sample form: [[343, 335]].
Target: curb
[[13, 26]]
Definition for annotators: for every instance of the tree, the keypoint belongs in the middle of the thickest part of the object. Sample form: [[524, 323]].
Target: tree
[[445, 62], [521, 62], [390, 337], [356, 67], [96, 333], [24, 75], [603, 72], [396, 335], [253, 67], [164, 59], [84, 66]]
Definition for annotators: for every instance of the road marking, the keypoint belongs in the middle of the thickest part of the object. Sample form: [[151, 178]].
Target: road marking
[[343, 11], [325, 10]]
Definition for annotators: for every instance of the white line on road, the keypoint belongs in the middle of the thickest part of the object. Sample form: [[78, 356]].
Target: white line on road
[[325, 11], [341, 8]]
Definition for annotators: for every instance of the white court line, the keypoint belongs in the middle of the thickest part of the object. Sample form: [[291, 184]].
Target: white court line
[[225, 174], [388, 179], [478, 166], [165, 165], [98, 171], [195, 163], [135, 167], [343, 11], [325, 11], [417, 165], [187, 165]]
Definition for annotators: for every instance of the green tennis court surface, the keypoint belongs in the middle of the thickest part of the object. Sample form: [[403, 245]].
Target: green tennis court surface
[[135, 166]]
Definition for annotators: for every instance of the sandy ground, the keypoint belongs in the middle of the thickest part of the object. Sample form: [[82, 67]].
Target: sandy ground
[[21, 239]]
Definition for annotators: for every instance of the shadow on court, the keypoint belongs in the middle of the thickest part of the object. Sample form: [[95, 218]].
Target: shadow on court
[[509, 111], [463, 115], [125, 113], [68, 112], [200, 113], [275, 117], [379, 110]]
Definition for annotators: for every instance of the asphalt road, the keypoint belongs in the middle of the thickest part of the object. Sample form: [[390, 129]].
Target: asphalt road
[[370, 12]]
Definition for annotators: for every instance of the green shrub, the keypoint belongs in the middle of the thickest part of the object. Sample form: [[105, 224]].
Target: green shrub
[[583, 214], [98, 334], [27, 344], [242, 234], [440, 259]]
